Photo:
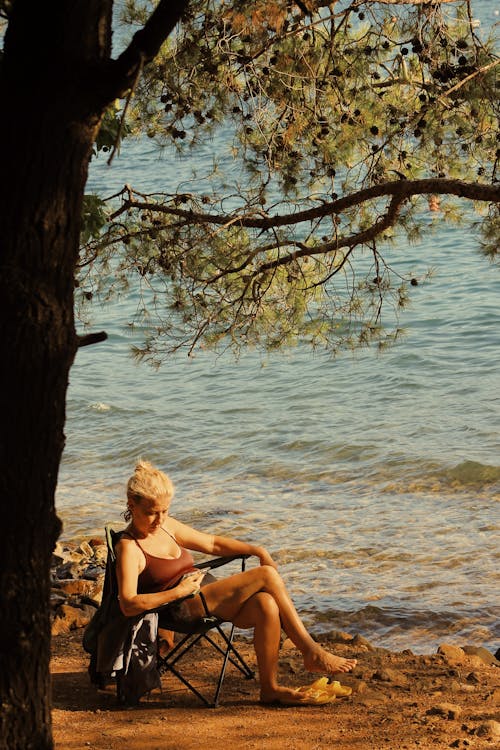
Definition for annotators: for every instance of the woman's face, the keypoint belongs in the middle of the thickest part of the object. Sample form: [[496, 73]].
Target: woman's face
[[148, 515]]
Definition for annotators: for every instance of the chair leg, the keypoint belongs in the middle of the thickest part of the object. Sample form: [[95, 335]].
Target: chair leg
[[238, 661], [178, 651], [192, 687], [229, 642], [230, 653]]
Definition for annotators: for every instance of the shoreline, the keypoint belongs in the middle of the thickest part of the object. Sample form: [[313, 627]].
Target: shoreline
[[78, 573]]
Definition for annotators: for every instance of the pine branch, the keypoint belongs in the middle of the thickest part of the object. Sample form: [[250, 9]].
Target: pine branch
[[144, 46], [401, 189]]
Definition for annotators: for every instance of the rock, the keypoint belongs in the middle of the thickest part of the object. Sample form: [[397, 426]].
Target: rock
[[447, 710], [79, 591], [338, 636], [483, 653], [97, 542], [490, 729], [473, 678], [70, 569], [391, 675], [494, 696], [86, 549], [57, 555], [370, 697], [453, 654], [101, 555], [360, 641], [464, 688], [92, 572], [59, 627], [77, 582], [81, 587], [69, 618], [56, 598], [348, 680], [358, 686]]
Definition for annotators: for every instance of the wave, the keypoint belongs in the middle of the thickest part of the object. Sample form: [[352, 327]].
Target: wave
[[358, 471], [472, 474], [418, 630]]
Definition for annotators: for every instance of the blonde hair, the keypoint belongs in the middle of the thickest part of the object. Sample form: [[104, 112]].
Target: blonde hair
[[147, 483]]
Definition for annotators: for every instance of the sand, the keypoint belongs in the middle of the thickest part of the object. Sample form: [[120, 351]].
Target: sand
[[399, 701]]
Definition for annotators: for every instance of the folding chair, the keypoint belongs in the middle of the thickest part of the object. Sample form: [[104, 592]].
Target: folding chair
[[204, 632]]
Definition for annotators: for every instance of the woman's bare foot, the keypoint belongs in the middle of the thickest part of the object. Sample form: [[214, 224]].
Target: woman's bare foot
[[278, 694], [293, 697], [319, 660]]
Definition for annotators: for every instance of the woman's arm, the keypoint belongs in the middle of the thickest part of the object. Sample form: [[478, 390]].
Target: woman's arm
[[127, 574], [212, 544]]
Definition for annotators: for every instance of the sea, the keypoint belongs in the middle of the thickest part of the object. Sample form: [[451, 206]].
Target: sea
[[373, 477]]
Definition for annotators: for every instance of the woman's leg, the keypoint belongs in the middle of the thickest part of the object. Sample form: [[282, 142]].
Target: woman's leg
[[226, 598], [261, 613]]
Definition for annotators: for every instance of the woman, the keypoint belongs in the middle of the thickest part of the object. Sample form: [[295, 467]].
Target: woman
[[155, 568]]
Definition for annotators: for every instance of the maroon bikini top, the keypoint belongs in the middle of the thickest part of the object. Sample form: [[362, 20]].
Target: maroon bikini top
[[162, 573]]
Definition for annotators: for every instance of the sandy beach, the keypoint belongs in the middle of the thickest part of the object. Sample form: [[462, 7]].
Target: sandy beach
[[399, 701]]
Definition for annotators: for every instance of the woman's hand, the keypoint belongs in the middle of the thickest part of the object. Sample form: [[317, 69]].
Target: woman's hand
[[265, 558], [190, 584]]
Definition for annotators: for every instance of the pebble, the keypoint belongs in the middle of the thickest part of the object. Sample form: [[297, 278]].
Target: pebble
[[494, 696], [490, 728], [446, 710], [391, 675], [360, 641]]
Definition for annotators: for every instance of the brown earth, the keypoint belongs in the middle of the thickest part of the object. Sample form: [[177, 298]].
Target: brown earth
[[400, 701]]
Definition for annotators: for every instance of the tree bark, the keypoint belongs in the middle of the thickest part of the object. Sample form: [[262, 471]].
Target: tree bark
[[46, 133], [56, 78]]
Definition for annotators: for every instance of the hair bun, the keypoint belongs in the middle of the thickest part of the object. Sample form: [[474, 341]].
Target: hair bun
[[149, 482], [143, 466]]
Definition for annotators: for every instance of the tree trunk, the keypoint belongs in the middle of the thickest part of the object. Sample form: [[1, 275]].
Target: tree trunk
[[56, 78], [47, 128]]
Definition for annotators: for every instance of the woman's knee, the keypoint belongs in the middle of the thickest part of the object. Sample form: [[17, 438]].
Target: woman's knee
[[271, 579], [259, 609], [266, 604]]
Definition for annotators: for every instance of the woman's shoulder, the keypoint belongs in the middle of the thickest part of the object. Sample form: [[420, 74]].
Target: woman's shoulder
[[126, 544]]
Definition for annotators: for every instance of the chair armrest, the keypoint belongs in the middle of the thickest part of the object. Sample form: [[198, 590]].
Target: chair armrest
[[217, 562]]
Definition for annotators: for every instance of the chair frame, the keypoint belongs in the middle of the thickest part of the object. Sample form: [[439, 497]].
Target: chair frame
[[228, 651]]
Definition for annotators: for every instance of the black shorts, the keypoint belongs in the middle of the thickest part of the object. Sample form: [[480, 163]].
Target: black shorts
[[177, 616]]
